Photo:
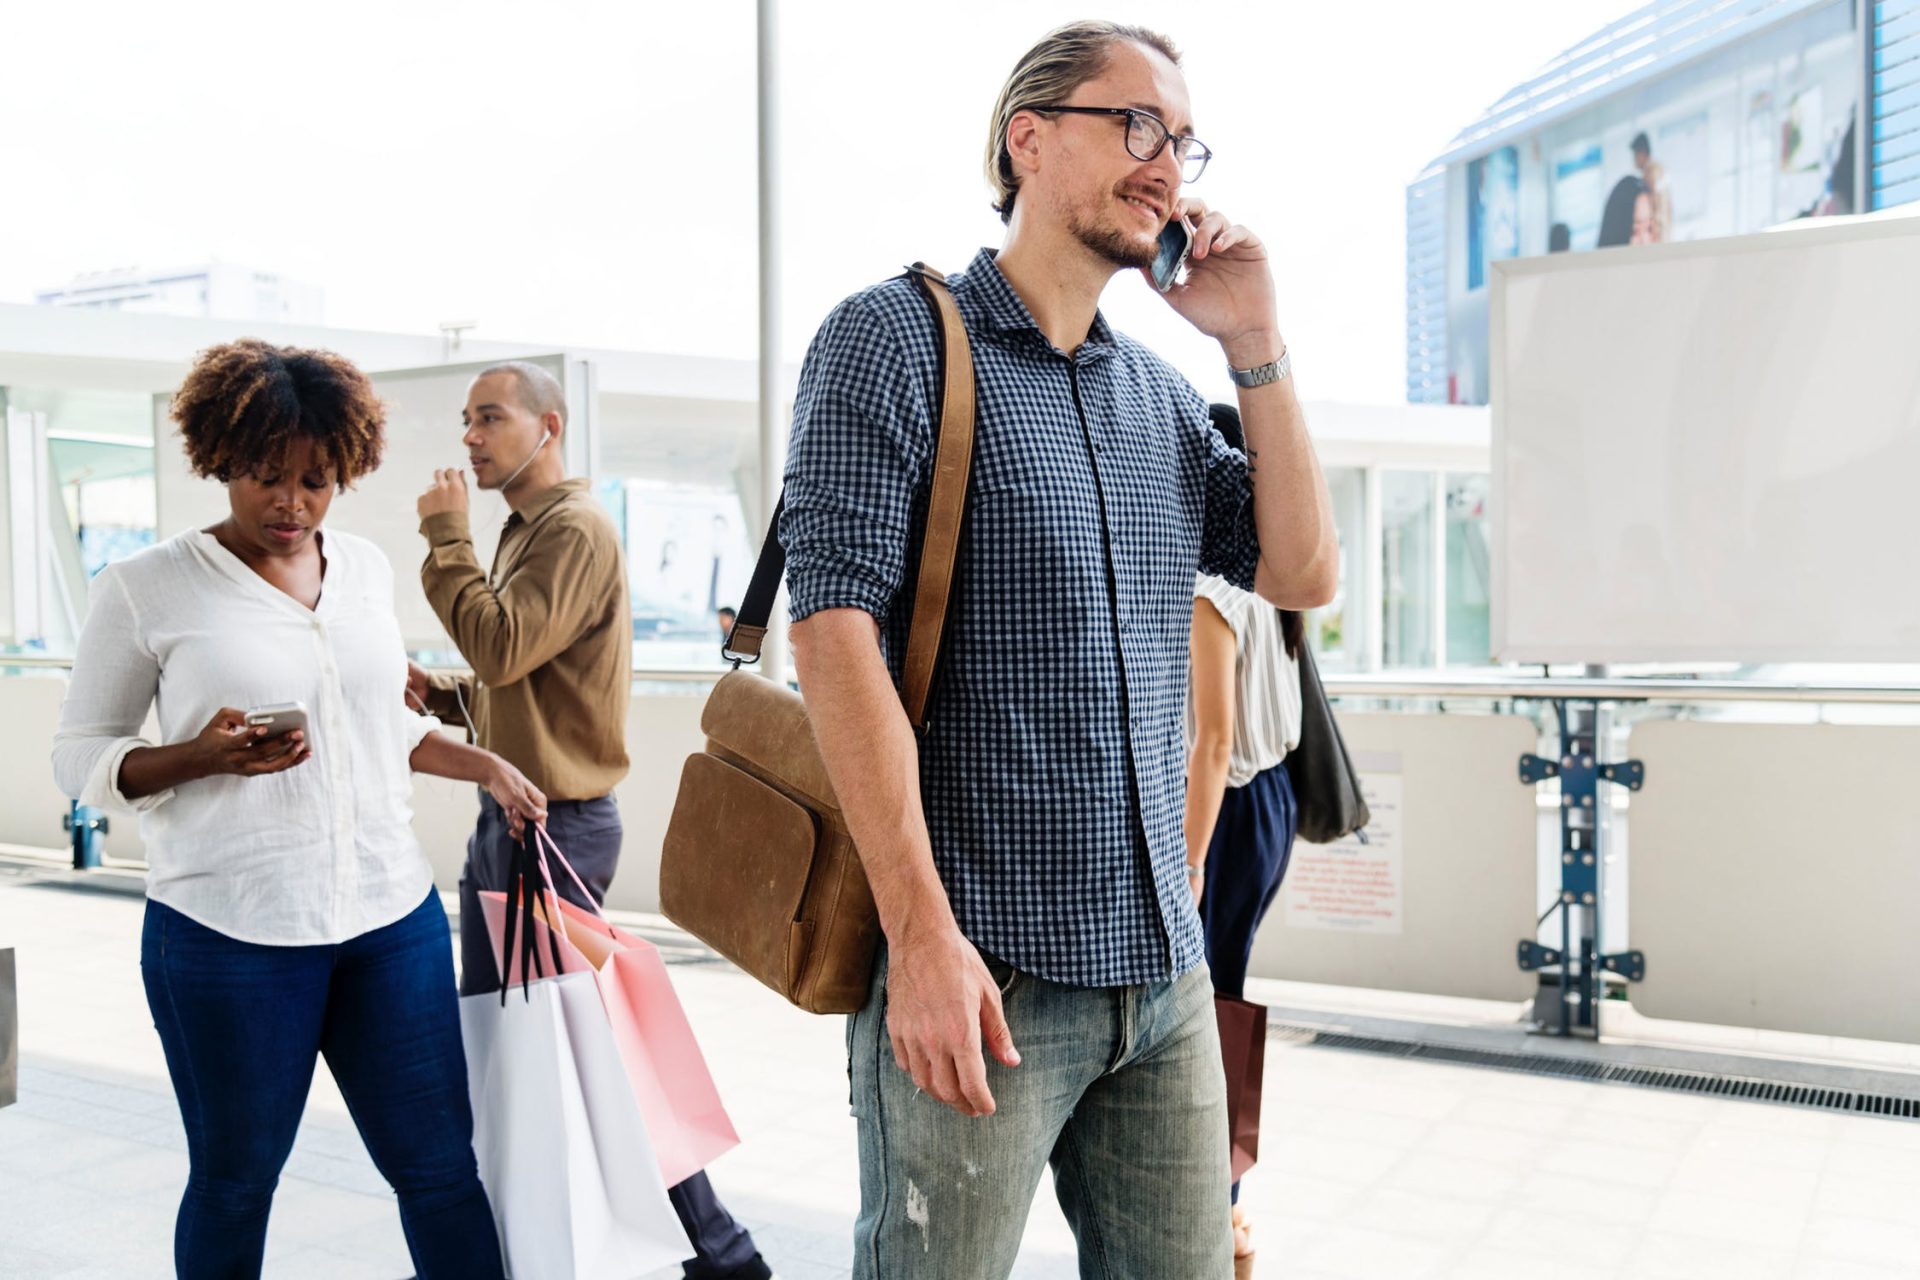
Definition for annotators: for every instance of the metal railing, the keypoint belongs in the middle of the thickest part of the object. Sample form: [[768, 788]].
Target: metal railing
[[50, 662], [1497, 686], [1614, 689]]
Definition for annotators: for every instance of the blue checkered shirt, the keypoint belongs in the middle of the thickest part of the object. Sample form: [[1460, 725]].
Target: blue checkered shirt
[[1053, 767]]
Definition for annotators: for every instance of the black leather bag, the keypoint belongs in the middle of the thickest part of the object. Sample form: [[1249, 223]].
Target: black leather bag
[[1326, 791]]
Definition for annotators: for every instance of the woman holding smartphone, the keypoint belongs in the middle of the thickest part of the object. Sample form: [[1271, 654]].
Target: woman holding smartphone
[[290, 910]]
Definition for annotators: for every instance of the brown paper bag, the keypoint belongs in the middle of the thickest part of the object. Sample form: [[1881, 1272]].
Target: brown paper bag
[[1243, 1046]]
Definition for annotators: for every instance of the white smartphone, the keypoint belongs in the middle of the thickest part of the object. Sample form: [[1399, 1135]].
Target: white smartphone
[[280, 717]]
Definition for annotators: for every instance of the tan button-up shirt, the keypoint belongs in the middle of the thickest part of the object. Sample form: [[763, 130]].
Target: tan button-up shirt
[[548, 635]]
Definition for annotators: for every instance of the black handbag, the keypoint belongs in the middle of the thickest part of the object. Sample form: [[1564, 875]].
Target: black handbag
[[1326, 791]]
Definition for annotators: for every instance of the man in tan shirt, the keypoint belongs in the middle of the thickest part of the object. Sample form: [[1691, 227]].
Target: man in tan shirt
[[549, 636]]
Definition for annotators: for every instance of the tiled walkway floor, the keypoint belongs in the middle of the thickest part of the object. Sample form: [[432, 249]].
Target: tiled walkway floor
[[1374, 1167]]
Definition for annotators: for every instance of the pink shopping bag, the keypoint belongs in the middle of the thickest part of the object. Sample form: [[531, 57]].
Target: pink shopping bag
[[677, 1096]]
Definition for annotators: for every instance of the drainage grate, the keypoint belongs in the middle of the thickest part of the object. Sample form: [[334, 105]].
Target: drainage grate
[[1568, 1068]]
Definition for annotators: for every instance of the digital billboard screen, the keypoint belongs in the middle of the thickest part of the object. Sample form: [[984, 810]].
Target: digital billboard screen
[[1758, 133]]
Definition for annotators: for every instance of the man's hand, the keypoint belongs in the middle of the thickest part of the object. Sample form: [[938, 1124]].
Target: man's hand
[[1228, 292], [417, 686], [1198, 884], [448, 492], [941, 1004]]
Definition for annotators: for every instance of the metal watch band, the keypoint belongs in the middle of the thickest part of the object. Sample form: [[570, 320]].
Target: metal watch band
[[1272, 371]]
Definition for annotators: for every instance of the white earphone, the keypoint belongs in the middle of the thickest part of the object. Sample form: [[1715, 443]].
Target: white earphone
[[544, 438]]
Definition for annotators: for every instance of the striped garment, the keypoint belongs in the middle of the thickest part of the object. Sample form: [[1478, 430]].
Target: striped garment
[[1266, 700]]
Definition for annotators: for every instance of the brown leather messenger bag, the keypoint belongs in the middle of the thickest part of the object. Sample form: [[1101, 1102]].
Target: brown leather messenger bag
[[758, 863]]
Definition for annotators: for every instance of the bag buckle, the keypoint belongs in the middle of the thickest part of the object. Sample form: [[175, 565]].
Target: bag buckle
[[750, 638]]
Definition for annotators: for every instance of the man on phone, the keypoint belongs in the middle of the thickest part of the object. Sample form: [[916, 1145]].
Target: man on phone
[[549, 637], [1042, 994]]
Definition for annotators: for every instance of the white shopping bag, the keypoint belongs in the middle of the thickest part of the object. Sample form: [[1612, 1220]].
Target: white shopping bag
[[563, 1151]]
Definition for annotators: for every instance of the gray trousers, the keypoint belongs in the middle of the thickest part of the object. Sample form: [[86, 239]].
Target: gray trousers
[[588, 832]]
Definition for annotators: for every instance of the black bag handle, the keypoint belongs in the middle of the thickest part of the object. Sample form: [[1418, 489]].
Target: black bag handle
[[524, 883]]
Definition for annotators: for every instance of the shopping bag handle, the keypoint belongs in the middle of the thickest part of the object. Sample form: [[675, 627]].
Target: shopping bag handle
[[528, 859], [593, 903]]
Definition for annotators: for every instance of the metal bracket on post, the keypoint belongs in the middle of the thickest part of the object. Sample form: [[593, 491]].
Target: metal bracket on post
[[1535, 769], [1630, 774], [87, 827], [1535, 956], [1568, 1002], [1631, 965]]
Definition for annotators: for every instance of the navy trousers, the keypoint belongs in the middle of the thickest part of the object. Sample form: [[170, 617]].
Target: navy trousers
[[1246, 861], [588, 832]]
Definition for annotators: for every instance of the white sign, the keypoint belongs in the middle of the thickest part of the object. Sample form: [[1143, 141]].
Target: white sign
[[1347, 886]]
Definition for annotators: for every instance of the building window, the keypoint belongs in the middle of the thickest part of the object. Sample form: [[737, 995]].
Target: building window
[[687, 557], [100, 450], [1408, 568], [1469, 591], [1338, 631]]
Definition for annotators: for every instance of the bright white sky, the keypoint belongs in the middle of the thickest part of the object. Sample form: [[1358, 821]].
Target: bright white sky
[[583, 173]]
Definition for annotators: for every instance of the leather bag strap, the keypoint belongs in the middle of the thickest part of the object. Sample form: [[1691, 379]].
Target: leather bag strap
[[946, 503], [946, 513]]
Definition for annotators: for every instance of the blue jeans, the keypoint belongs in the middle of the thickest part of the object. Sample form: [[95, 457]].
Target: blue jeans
[[241, 1025], [1119, 1088], [589, 832]]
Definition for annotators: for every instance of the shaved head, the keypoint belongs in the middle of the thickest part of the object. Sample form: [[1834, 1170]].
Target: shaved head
[[536, 390]]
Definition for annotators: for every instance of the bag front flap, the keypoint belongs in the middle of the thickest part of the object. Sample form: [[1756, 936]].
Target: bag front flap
[[743, 903], [766, 725]]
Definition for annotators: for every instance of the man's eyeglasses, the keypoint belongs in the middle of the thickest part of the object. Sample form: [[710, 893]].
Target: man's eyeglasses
[[1147, 137]]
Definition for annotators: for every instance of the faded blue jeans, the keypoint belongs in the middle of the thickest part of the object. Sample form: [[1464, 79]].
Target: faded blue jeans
[[242, 1025], [1121, 1089]]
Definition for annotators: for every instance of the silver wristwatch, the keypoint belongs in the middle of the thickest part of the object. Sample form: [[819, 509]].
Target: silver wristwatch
[[1272, 371]]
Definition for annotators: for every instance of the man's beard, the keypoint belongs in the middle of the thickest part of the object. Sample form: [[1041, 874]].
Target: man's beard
[[1112, 244]]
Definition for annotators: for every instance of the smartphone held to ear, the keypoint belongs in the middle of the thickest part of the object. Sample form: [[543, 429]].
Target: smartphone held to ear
[[1176, 239], [279, 718]]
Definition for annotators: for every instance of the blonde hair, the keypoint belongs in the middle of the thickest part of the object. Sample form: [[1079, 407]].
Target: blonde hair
[[1048, 74]]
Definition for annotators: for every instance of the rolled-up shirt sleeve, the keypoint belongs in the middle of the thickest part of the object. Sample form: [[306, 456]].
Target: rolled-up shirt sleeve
[[115, 676], [415, 727], [1229, 540], [856, 459]]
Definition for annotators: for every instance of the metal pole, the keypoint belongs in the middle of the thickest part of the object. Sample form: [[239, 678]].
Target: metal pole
[[773, 654], [1866, 24]]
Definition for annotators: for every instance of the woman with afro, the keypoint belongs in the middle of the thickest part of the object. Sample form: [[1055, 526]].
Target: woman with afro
[[290, 913]]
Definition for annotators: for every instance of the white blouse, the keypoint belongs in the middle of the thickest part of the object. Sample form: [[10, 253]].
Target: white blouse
[[318, 853], [1266, 697]]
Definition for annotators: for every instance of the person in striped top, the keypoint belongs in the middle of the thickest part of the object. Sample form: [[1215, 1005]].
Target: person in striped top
[[1243, 717]]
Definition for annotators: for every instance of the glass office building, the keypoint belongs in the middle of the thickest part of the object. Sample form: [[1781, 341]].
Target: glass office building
[[1678, 122]]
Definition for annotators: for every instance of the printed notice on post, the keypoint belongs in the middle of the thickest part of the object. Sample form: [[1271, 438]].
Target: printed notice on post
[[1348, 886]]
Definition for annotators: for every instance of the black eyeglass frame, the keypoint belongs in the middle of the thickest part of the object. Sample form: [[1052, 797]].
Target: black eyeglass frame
[[1193, 145]]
